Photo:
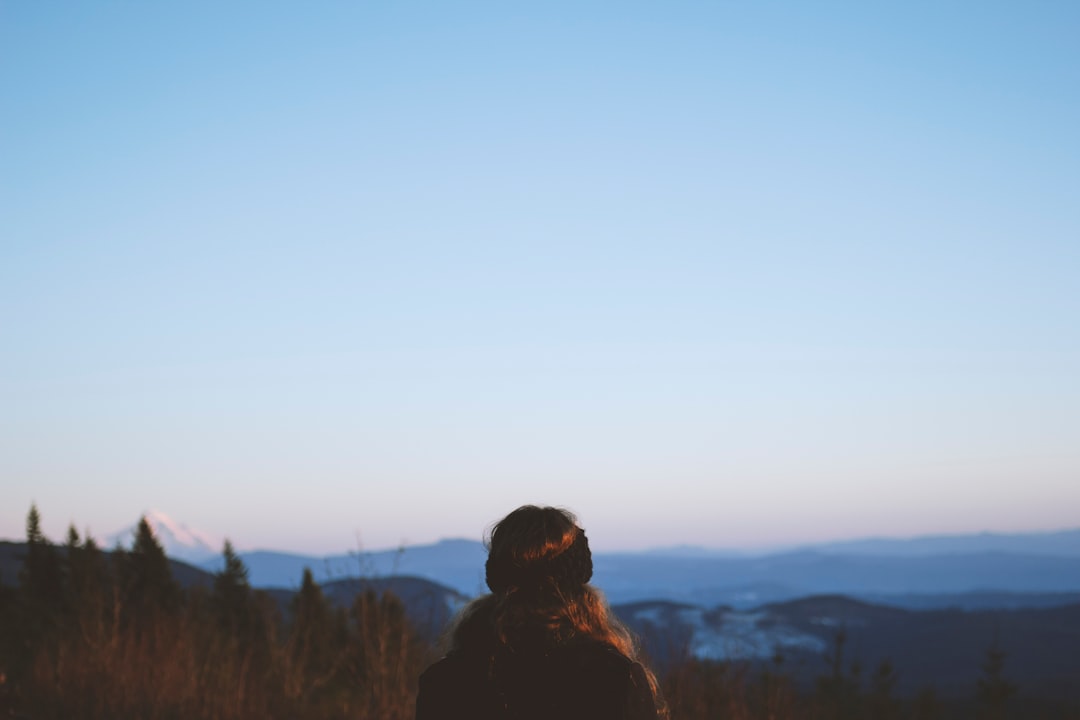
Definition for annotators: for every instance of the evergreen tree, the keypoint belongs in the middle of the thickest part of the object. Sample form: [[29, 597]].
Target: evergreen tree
[[41, 578], [232, 592], [314, 653], [147, 585], [72, 538], [41, 587], [242, 648], [88, 580]]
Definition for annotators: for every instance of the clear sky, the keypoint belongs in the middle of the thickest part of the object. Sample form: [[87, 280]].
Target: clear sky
[[328, 274]]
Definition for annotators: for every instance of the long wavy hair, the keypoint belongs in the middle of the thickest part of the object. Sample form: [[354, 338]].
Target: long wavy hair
[[538, 569]]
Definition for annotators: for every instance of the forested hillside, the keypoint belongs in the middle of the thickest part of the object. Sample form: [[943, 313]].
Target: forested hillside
[[90, 634], [105, 634]]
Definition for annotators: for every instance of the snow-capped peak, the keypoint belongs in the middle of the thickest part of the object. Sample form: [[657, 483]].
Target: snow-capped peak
[[178, 540]]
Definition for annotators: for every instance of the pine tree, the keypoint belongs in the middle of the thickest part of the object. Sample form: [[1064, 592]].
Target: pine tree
[[242, 647], [232, 592], [41, 578], [41, 583], [147, 585], [88, 580], [314, 653]]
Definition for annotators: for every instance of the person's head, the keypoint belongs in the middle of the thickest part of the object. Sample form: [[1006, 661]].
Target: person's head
[[538, 551], [538, 568]]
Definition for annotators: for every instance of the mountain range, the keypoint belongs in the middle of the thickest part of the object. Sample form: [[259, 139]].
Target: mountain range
[[942, 648], [932, 607], [968, 571]]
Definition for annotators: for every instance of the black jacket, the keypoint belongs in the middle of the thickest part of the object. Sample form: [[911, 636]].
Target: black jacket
[[583, 680]]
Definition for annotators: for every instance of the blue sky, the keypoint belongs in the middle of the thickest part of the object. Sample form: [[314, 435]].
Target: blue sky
[[323, 275]]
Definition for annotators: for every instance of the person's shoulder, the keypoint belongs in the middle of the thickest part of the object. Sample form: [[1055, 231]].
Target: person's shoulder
[[454, 686], [450, 668]]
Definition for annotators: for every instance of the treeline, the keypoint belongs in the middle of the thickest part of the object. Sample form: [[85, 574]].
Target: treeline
[[93, 634]]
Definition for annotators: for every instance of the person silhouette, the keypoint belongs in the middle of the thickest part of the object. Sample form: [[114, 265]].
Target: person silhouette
[[543, 643]]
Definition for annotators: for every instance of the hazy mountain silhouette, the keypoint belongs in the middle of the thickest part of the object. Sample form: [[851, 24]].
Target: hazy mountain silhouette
[[1063, 543], [980, 571], [458, 564]]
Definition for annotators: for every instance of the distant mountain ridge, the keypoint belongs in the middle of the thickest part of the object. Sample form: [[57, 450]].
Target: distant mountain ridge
[[458, 564], [983, 570], [1061, 543], [746, 582], [979, 578], [1065, 542]]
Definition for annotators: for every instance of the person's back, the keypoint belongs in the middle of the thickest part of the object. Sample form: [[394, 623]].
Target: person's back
[[542, 645], [587, 680]]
